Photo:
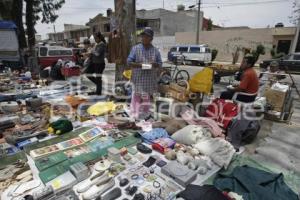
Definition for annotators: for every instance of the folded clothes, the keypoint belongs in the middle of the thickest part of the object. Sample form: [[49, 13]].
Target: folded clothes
[[156, 133]]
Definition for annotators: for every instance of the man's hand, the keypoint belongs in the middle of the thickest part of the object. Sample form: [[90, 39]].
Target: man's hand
[[135, 65]]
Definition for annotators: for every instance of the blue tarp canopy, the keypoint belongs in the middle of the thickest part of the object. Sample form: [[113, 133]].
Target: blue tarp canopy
[[7, 25]]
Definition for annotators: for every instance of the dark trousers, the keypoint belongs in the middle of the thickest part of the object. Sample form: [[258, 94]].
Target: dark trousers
[[97, 69], [243, 98]]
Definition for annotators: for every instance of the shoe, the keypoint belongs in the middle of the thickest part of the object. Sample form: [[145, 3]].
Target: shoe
[[98, 189], [94, 179], [102, 165]]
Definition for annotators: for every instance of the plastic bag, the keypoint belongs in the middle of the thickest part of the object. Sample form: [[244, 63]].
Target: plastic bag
[[127, 74], [101, 108], [202, 81]]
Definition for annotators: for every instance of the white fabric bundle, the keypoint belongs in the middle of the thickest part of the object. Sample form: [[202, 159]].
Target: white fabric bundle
[[219, 150], [191, 134]]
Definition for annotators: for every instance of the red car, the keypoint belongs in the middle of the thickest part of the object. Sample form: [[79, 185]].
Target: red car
[[49, 55]]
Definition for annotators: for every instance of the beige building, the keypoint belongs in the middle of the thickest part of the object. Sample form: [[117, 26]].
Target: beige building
[[99, 23], [72, 33], [227, 40]]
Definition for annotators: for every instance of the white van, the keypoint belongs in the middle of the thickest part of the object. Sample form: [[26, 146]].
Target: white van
[[196, 54]]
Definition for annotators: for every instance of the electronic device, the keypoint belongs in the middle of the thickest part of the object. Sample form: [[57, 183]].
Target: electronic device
[[179, 173], [149, 162], [142, 148], [161, 163]]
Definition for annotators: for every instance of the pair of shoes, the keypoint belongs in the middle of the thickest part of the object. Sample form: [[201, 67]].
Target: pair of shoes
[[99, 189], [92, 180]]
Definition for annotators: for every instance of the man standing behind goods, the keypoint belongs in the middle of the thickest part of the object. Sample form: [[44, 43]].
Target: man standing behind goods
[[144, 60]]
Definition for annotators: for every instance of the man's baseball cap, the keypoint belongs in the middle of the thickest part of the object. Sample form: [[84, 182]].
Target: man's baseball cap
[[148, 31]]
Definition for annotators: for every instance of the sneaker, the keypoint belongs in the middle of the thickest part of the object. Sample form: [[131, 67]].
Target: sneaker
[[92, 180], [98, 189]]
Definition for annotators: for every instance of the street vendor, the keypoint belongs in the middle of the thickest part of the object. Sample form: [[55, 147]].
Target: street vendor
[[271, 73], [144, 60], [249, 82]]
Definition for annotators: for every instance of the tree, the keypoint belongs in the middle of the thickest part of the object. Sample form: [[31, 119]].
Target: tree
[[209, 24], [295, 13], [17, 17], [35, 8], [5, 10], [260, 50], [125, 17], [13, 10], [236, 55]]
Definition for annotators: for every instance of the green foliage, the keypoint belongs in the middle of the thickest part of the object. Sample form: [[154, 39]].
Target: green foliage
[[214, 54], [46, 9], [36, 8], [260, 50]]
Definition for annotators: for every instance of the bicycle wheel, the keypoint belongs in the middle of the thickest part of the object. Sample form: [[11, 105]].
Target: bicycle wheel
[[182, 75]]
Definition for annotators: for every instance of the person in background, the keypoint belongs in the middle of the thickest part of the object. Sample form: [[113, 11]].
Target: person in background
[[97, 62], [144, 78], [249, 82], [85, 55]]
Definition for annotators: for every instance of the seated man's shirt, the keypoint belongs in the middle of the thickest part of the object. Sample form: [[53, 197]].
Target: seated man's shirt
[[249, 82]]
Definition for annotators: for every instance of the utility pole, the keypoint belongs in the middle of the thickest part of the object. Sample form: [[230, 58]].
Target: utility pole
[[198, 22], [54, 28], [163, 4]]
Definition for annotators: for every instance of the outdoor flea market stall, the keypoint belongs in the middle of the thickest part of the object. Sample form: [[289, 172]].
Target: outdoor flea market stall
[[59, 143]]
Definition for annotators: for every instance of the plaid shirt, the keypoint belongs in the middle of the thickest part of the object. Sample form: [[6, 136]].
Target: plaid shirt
[[144, 81]]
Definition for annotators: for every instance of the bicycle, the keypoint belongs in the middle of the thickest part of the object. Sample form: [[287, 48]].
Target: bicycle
[[175, 73]]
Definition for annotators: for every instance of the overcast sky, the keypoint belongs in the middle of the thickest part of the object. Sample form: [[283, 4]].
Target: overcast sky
[[252, 13]]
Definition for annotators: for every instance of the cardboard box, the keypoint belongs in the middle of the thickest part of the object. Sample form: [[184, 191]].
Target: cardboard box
[[275, 98]]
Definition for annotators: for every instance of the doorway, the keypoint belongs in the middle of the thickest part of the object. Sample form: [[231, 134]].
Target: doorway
[[284, 46]]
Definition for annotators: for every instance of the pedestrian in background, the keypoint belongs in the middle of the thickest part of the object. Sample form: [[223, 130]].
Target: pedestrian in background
[[97, 62]]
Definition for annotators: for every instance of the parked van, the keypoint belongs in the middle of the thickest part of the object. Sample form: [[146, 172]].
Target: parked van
[[49, 55], [9, 45], [196, 54]]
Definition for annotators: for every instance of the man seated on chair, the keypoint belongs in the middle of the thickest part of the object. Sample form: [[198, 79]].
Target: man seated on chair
[[249, 82]]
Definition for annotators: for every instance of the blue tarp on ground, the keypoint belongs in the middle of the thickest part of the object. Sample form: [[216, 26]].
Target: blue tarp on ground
[[7, 25]]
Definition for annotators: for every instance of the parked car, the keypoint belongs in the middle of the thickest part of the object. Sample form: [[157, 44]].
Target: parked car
[[196, 54], [49, 55], [291, 62]]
